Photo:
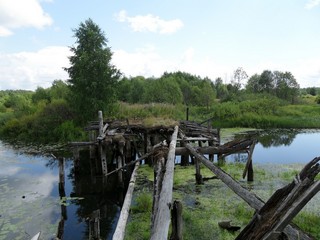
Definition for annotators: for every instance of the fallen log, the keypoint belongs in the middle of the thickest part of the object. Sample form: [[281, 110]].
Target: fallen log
[[253, 200], [270, 221], [161, 223], [122, 222]]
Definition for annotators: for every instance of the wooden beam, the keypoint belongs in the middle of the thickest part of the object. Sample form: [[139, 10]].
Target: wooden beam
[[161, 224], [124, 214], [270, 221]]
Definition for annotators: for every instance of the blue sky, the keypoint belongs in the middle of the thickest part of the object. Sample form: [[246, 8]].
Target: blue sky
[[207, 37]]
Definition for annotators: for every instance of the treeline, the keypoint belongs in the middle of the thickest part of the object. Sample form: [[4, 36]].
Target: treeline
[[184, 88]]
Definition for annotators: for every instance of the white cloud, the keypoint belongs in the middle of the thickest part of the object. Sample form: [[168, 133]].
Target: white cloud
[[28, 70], [26, 13], [150, 23], [148, 62], [312, 3]]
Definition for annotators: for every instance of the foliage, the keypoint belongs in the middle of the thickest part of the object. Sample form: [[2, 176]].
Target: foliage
[[92, 76], [280, 84]]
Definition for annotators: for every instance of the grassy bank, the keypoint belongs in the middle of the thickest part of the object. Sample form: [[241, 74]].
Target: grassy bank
[[205, 205]]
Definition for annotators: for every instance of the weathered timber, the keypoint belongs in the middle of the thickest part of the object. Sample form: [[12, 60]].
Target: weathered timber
[[159, 167], [226, 149], [270, 221], [176, 220], [249, 197], [248, 170], [140, 158], [161, 224], [94, 225], [122, 222]]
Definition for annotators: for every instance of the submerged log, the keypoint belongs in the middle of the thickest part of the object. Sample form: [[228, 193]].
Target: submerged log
[[253, 200], [270, 221], [161, 223]]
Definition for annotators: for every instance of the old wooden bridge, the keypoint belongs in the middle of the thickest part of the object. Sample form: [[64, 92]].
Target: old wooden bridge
[[118, 145]]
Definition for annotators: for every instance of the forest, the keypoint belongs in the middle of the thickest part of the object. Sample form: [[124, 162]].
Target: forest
[[271, 99]]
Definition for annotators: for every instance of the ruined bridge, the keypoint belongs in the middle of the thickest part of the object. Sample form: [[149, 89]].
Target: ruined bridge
[[115, 145]]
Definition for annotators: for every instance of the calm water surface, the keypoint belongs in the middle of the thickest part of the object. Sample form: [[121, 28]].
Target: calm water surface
[[29, 192]]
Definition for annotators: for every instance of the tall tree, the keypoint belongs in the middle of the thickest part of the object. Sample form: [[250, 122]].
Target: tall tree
[[238, 76], [92, 76]]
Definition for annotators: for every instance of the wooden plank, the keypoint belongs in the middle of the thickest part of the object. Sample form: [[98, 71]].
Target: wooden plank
[[122, 222], [162, 219]]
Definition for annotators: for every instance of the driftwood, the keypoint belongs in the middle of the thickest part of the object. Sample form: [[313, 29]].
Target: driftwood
[[121, 225], [160, 226], [284, 205], [253, 200]]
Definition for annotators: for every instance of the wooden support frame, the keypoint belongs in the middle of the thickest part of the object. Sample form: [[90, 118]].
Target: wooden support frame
[[249, 197]]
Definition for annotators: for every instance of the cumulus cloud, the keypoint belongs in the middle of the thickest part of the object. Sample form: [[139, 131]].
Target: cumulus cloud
[[312, 3], [16, 14], [150, 23], [28, 70]]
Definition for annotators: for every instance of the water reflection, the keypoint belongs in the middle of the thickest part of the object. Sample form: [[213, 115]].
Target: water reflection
[[275, 138], [32, 198]]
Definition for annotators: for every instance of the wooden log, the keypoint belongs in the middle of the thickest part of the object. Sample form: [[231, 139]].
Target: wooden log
[[176, 219], [101, 133], [249, 168], [270, 221], [159, 170], [249, 197], [124, 214], [160, 228]]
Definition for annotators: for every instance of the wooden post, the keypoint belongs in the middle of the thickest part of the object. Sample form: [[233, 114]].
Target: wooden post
[[210, 142], [120, 177], [76, 159], [161, 224], [184, 157], [101, 133], [254, 201], [187, 113], [199, 179], [176, 219], [61, 175], [124, 214], [248, 170], [94, 225]]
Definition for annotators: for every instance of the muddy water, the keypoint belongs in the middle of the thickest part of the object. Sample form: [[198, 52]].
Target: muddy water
[[30, 201]]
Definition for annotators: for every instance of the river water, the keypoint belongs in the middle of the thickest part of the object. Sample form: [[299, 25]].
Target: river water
[[30, 200]]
